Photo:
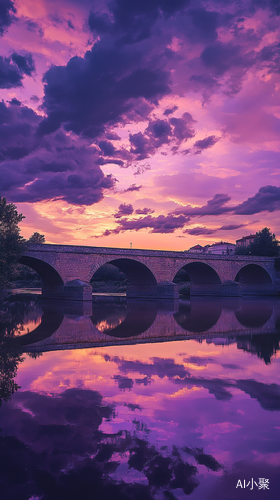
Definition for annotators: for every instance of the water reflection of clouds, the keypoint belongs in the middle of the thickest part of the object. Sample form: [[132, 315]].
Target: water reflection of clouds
[[57, 450], [154, 396]]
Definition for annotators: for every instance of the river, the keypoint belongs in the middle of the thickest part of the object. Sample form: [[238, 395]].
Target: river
[[139, 400]]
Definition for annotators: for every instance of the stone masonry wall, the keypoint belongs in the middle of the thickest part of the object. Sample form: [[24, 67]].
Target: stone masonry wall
[[76, 262]]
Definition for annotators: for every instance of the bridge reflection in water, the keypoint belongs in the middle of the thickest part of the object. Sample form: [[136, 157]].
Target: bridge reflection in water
[[116, 321]]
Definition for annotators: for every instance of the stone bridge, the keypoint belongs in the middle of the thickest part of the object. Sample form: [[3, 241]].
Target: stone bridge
[[66, 271]]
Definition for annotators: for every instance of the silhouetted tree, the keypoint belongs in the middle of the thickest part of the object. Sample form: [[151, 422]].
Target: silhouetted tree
[[11, 243], [36, 239], [265, 244], [11, 320]]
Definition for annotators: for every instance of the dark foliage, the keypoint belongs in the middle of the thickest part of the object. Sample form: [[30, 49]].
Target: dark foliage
[[11, 243], [265, 244]]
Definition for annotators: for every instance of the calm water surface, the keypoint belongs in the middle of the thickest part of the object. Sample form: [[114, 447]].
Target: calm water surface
[[139, 400]]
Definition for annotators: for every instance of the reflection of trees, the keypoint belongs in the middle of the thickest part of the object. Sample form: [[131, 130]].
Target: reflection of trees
[[108, 278], [263, 345], [13, 313], [61, 453]]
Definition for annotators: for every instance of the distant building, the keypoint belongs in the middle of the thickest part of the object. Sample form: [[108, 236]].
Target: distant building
[[221, 248], [246, 240], [196, 248]]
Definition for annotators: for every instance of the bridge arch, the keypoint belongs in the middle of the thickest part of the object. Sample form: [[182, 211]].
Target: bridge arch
[[198, 316], [200, 273], [137, 318], [52, 281], [141, 280], [50, 322], [253, 274]]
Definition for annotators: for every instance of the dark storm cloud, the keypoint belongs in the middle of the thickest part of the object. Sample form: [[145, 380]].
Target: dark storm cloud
[[25, 63], [77, 188], [268, 395], [131, 22], [97, 90], [182, 127], [14, 68], [220, 57], [18, 125], [124, 209], [272, 5], [7, 9], [64, 172], [205, 23], [160, 132], [267, 199], [107, 148], [206, 143]]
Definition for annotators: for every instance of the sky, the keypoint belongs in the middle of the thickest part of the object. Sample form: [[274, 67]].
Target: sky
[[152, 122]]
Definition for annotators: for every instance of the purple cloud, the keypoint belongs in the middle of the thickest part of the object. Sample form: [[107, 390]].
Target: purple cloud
[[197, 231], [97, 90], [131, 22], [160, 224], [50, 175], [131, 188], [14, 68], [124, 210], [267, 199], [7, 9], [160, 132], [144, 211], [170, 111], [206, 143], [18, 126], [215, 206]]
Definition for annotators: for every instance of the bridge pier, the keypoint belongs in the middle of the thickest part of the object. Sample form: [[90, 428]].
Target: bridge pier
[[167, 290], [75, 290]]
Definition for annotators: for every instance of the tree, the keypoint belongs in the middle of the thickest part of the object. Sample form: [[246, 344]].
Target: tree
[[265, 244], [11, 243], [36, 239]]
